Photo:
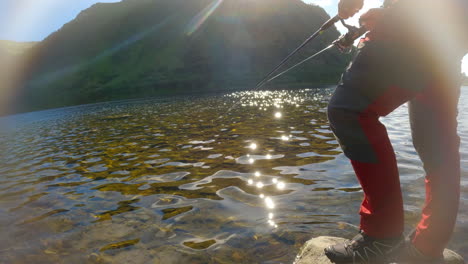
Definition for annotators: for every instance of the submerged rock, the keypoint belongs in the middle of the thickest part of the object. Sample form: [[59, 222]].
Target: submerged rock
[[312, 252]]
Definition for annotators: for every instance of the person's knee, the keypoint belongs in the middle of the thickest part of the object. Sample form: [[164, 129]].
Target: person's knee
[[341, 124], [341, 120], [332, 114], [350, 135]]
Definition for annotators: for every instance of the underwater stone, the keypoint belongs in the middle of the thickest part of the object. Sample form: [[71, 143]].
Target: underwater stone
[[312, 252]]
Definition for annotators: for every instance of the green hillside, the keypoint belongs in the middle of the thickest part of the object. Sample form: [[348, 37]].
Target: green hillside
[[139, 48]]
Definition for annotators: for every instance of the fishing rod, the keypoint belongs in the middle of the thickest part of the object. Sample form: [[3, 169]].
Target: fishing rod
[[322, 29], [343, 44]]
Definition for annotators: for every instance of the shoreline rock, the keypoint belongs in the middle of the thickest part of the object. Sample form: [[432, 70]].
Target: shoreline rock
[[312, 252]]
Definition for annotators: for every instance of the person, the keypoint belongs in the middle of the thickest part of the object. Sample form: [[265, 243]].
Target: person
[[412, 53]]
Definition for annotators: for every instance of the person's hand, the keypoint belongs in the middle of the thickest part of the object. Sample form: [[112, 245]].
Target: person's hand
[[348, 8], [371, 18]]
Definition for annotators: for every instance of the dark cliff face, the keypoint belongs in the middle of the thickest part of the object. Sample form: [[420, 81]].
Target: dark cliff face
[[139, 48]]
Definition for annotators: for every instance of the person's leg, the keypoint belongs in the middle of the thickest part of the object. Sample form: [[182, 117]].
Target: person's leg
[[433, 116], [365, 142], [370, 89]]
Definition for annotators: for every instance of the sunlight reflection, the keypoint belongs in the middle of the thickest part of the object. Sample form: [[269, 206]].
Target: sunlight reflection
[[271, 222], [269, 203], [280, 185], [268, 101], [249, 160], [270, 215]]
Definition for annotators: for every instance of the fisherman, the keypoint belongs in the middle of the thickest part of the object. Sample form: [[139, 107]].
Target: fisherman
[[412, 53]]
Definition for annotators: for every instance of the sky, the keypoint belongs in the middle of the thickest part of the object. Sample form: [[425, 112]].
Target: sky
[[33, 20], [331, 7]]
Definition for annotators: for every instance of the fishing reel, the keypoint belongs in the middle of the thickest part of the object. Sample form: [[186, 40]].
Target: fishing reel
[[345, 42]]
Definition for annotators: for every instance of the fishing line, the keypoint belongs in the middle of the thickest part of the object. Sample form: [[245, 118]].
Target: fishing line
[[278, 75], [343, 44], [300, 63], [322, 29]]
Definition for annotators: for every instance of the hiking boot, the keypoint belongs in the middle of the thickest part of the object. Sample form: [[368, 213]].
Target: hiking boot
[[409, 254], [364, 249]]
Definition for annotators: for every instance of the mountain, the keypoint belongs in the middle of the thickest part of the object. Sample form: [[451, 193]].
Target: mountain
[[139, 48]]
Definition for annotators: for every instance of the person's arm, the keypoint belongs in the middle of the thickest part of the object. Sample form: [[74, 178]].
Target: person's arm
[[348, 8], [370, 19]]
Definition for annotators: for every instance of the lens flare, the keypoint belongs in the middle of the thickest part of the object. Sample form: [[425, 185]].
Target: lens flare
[[201, 17]]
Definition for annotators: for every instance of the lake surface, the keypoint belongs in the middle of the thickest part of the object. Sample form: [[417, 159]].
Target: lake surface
[[246, 177]]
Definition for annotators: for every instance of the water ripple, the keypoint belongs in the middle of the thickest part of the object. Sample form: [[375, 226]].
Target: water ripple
[[102, 182]]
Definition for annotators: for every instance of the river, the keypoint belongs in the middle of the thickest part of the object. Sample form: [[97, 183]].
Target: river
[[245, 177]]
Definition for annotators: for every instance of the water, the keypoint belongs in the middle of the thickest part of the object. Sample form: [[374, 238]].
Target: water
[[241, 178]]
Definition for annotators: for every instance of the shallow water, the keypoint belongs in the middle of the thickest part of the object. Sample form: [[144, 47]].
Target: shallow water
[[246, 177]]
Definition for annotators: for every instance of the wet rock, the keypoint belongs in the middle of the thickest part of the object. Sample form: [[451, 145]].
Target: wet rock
[[115, 117], [137, 255], [200, 245], [95, 258], [121, 244], [171, 212], [312, 252]]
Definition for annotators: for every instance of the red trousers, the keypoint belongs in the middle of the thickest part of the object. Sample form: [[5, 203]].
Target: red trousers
[[382, 77]]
